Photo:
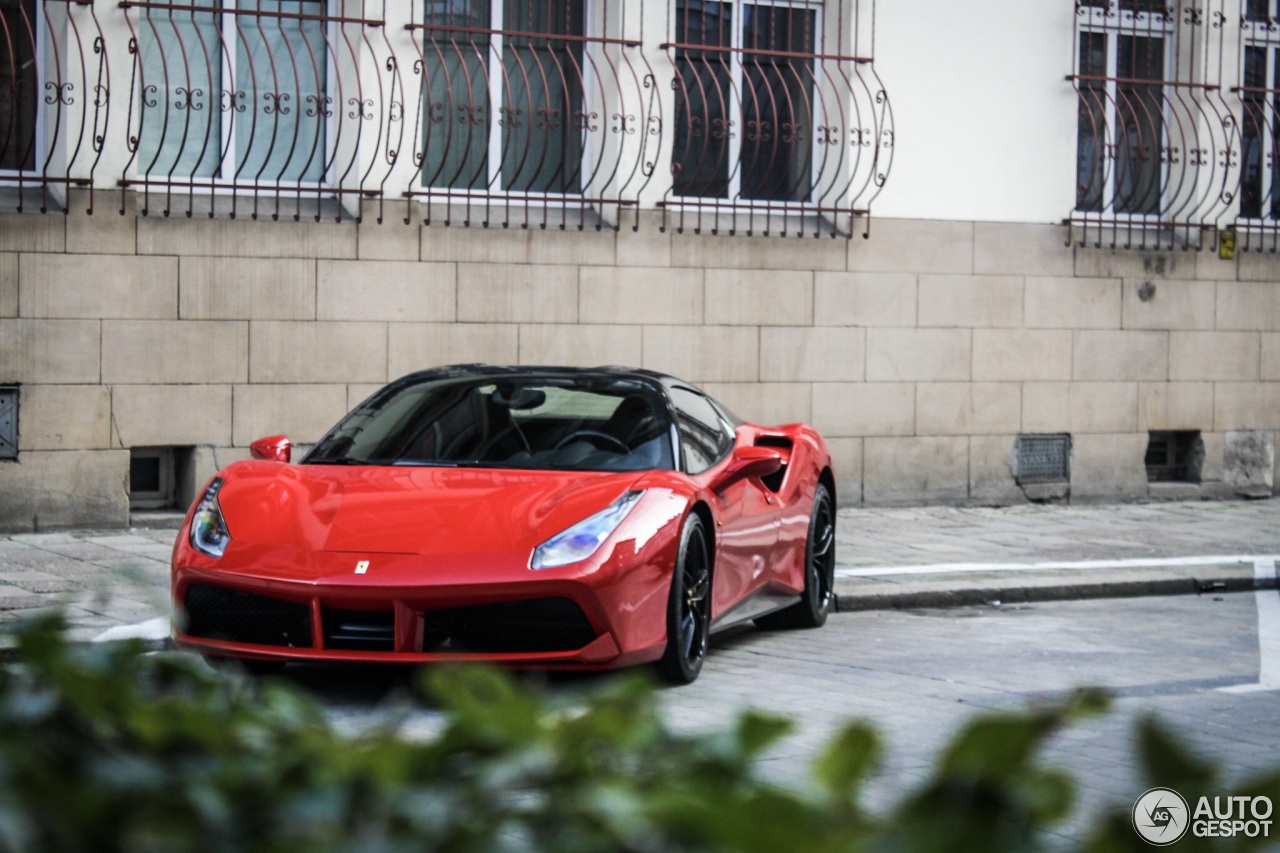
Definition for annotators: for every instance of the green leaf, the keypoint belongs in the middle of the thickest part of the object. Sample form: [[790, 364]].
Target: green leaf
[[758, 731], [1167, 762], [848, 759]]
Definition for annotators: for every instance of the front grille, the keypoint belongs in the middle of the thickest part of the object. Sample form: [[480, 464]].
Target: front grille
[[538, 625], [215, 613], [360, 630]]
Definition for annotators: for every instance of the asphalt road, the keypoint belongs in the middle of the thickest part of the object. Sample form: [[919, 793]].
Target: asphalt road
[[1196, 662]]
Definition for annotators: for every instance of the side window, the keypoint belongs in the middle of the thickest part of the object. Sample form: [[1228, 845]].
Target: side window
[[704, 436]]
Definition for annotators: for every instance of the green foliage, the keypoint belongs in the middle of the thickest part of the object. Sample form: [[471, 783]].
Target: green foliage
[[106, 748]]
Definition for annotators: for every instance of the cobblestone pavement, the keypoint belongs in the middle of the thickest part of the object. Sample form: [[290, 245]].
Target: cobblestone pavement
[[103, 580]]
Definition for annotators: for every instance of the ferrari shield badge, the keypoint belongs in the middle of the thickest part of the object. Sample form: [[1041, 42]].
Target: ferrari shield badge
[[362, 567]]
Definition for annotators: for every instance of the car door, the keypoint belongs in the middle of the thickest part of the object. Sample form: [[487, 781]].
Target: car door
[[746, 516]]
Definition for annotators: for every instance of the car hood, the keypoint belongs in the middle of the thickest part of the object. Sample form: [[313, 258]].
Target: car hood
[[408, 510]]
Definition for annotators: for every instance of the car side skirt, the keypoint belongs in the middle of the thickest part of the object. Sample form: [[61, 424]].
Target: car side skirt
[[753, 608]]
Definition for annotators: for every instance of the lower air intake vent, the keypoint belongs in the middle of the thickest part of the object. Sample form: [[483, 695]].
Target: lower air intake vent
[[360, 630], [215, 613], [540, 625]]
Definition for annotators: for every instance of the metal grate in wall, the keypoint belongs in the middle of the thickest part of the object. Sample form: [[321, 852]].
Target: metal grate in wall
[[1044, 459], [8, 422]]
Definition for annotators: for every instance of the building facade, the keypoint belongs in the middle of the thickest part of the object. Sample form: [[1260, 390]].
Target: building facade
[[996, 251]]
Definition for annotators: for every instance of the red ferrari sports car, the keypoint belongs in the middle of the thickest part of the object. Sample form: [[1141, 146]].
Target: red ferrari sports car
[[548, 517]]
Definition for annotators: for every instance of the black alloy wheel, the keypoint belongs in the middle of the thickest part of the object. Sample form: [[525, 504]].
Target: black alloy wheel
[[819, 571], [689, 606]]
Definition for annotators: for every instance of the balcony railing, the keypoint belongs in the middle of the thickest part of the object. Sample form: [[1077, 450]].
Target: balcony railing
[[525, 105], [772, 132], [1158, 141], [241, 100], [54, 98], [485, 113], [1179, 125]]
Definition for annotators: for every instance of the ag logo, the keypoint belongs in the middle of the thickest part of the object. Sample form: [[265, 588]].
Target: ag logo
[[1161, 816]]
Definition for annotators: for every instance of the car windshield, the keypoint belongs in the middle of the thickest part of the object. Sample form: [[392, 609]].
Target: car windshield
[[577, 423]]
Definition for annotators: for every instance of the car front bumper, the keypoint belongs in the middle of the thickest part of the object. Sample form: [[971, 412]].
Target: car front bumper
[[607, 613]]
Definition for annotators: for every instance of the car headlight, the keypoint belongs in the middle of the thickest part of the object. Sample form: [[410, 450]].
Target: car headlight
[[209, 534], [582, 539]]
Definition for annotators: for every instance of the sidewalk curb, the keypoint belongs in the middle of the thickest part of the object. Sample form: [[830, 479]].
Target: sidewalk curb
[[974, 596]]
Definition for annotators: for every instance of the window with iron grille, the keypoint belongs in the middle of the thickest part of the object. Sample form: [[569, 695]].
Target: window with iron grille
[[19, 85], [504, 102], [744, 99], [232, 93], [780, 116], [1123, 60], [1158, 144], [1260, 98], [546, 111]]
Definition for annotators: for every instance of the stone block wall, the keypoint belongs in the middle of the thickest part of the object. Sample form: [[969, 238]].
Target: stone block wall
[[921, 353]]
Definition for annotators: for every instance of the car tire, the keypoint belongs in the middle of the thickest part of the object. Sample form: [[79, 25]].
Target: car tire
[[688, 606], [819, 571]]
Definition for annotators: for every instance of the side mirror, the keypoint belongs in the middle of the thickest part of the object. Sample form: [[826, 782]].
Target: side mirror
[[746, 463], [274, 448]]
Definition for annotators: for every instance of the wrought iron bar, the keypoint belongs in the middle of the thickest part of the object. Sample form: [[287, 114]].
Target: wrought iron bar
[[532, 198], [248, 12], [778, 54], [713, 203], [1146, 81], [526, 34]]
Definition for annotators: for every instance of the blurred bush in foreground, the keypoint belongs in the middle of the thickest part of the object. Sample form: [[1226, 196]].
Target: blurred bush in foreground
[[108, 749]]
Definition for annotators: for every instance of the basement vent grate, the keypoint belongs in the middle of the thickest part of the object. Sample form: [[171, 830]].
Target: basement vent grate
[[1044, 459], [8, 422]]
